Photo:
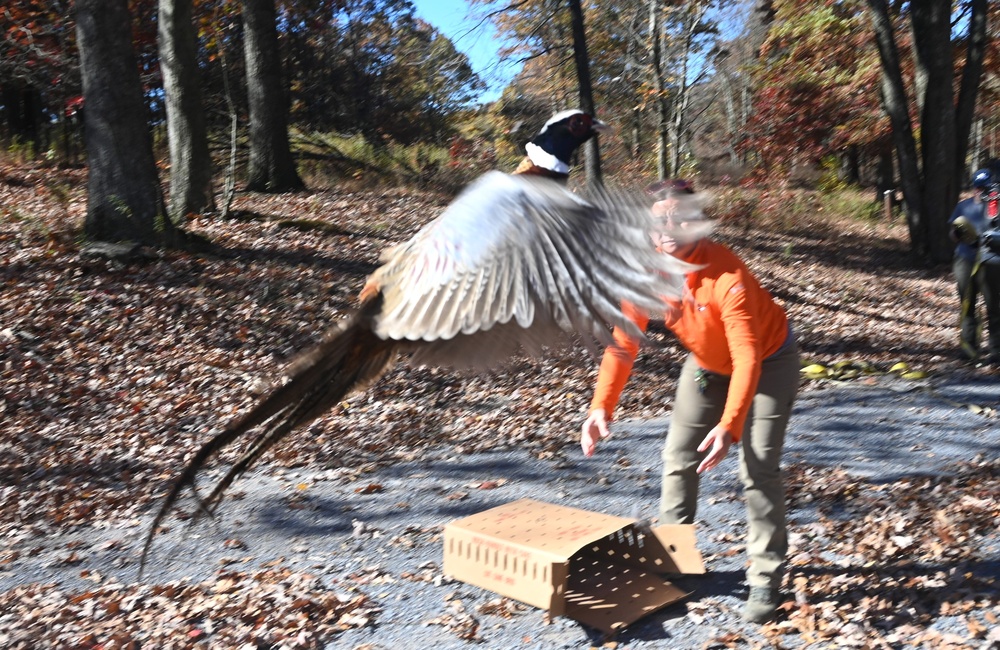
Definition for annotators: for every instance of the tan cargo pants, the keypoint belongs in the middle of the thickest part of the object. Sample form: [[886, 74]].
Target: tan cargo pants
[[698, 405]]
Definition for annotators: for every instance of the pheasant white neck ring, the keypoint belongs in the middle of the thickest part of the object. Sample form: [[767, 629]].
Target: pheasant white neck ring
[[544, 159]]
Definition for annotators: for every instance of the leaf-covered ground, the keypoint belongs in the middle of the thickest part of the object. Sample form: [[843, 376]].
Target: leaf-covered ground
[[111, 374]]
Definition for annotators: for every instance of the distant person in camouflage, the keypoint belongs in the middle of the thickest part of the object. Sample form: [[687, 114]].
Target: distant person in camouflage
[[976, 265]]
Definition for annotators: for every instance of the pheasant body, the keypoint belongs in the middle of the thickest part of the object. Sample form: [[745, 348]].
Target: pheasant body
[[516, 263]]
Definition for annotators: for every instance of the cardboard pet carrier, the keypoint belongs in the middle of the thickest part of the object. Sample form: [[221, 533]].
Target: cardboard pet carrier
[[604, 571]]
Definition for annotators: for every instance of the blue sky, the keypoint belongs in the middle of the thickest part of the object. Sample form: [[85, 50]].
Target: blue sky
[[478, 41]]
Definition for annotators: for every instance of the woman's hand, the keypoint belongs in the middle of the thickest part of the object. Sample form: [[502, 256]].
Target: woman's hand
[[719, 439], [594, 430]]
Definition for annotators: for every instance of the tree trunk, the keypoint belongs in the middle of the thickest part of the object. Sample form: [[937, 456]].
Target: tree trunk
[[124, 201], [931, 179], [931, 23], [22, 111], [635, 150], [850, 166], [895, 103], [968, 91], [660, 84], [693, 16], [190, 164], [591, 147], [733, 125], [271, 166], [679, 126], [978, 155], [885, 179]]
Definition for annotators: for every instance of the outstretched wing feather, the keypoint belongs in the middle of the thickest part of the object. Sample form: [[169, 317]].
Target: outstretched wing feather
[[525, 250]]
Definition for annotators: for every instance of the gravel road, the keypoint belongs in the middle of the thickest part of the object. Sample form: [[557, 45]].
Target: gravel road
[[387, 538]]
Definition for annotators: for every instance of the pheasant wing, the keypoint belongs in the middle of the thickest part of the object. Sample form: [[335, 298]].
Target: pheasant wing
[[517, 261]]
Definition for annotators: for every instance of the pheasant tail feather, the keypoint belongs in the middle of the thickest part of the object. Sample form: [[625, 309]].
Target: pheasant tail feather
[[349, 358]]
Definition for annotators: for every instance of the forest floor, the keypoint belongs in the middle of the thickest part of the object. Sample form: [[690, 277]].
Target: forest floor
[[113, 373]]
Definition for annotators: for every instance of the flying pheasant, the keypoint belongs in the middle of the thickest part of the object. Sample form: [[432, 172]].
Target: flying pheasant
[[516, 262]]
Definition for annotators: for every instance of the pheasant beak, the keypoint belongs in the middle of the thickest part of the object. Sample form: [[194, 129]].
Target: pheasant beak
[[601, 127]]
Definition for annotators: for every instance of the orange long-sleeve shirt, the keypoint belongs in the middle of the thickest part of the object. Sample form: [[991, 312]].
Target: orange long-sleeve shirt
[[725, 319]]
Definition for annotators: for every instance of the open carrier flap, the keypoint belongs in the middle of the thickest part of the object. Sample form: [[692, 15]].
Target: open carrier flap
[[616, 580], [601, 570]]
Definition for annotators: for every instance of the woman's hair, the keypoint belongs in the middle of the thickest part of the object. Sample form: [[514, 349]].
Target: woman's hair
[[678, 196], [670, 187]]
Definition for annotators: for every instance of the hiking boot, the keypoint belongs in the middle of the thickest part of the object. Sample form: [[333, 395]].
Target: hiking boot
[[761, 604], [991, 361]]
